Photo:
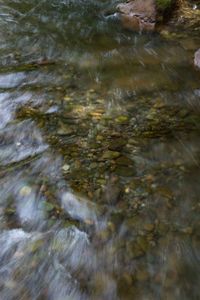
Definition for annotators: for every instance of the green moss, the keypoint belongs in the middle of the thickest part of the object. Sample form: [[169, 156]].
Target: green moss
[[163, 4]]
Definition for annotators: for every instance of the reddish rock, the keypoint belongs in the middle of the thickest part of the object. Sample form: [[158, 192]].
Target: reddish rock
[[139, 15], [197, 58]]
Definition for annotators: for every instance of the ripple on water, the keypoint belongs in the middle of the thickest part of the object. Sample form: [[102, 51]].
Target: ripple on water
[[20, 141], [145, 244], [50, 259], [12, 80]]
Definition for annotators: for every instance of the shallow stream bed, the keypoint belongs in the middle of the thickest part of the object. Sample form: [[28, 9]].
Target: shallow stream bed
[[99, 156]]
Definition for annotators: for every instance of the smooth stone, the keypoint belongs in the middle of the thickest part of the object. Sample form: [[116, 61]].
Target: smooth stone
[[110, 155], [67, 98], [65, 168], [132, 141], [25, 191], [124, 171], [93, 165], [143, 243], [149, 227], [102, 181], [133, 250], [10, 284], [99, 138], [122, 119], [197, 58], [142, 275], [125, 284], [165, 33], [165, 192], [117, 144], [124, 161], [65, 131]]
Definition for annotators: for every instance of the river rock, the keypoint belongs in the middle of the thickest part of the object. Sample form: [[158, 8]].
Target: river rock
[[124, 161], [197, 58], [139, 15], [107, 155], [124, 171], [117, 144], [65, 131]]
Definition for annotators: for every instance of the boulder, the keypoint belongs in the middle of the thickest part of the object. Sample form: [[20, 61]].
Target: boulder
[[143, 15], [138, 15]]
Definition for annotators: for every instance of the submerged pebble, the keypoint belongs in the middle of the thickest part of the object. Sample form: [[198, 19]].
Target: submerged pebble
[[25, 191]]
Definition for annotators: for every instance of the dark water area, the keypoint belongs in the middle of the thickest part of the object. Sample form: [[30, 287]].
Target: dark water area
[[99, 156]]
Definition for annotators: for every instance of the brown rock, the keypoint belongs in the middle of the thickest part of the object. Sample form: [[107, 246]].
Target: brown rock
[[197, 58], [139, 15], [124, 161]]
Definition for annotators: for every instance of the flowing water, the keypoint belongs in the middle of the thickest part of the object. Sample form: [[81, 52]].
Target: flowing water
[[99, 156]]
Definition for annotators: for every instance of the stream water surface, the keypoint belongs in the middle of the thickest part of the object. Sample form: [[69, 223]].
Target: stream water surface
[[99, 156]]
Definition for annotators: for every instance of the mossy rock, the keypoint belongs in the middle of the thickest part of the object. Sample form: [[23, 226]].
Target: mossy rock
[[164, 4]]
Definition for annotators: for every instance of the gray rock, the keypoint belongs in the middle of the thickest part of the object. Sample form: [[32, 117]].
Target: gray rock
[[197, 58]]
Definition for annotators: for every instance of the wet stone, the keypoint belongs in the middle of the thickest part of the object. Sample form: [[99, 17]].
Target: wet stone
[[149, 227], [117, 217], [125, 171], [101, 181], [165, 192], [93, 165], [142, 275], [99, 138], [25, 191], [124, 161], [110, 155], [125, 282], [66, 168], [65, 131], [117, 144], [134, 250], [197, 59], [143, 243], [122, 119]]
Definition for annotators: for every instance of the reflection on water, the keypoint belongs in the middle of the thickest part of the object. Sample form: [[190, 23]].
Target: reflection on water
[[99, 156]]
